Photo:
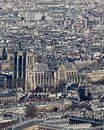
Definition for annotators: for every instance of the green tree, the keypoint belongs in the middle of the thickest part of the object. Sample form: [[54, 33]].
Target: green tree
[[31, 111], [4, 54]]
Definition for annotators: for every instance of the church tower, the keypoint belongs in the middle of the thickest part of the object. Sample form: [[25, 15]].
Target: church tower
[[23, 67]]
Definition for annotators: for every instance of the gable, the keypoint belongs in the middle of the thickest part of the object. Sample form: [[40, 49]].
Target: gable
[[62, 67]]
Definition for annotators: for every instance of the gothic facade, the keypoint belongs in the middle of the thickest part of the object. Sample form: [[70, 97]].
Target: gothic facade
[[28, 74]]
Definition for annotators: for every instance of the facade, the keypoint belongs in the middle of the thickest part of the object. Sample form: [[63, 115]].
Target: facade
[[8, 97], [23, 66], [42, 75], [67, 71], [95, 75], [39, 124], [28, 74], [31, 124]]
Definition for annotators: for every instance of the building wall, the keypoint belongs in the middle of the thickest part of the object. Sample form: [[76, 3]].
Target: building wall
[[40, 78], [23, 66], [27, 78], [96, 75], [7, 99], [46, 127], [33, 127]]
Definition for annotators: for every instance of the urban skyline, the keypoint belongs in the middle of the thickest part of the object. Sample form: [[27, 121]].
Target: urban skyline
[[51, 65]]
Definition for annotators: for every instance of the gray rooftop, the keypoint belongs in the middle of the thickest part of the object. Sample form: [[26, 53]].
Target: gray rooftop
[[40, 67]]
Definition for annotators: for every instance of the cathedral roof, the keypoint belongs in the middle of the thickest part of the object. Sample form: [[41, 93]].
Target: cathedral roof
[[40, 67], [67, 66]]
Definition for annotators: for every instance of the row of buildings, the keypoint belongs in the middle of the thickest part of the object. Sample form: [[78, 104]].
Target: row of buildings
[[51, 64], [62, 124]]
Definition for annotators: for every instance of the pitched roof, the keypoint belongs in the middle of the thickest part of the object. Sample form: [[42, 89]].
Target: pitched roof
[[40, 67], [68, 66]]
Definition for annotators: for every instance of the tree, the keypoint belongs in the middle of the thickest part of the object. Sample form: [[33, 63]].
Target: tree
[[31, 111], [84, 93], [4, 54]]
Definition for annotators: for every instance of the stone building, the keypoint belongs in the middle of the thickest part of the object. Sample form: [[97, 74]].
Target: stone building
[[42, 75], [23, 67], [95, 75], [8, 97], [66, 71], [28, 74]]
